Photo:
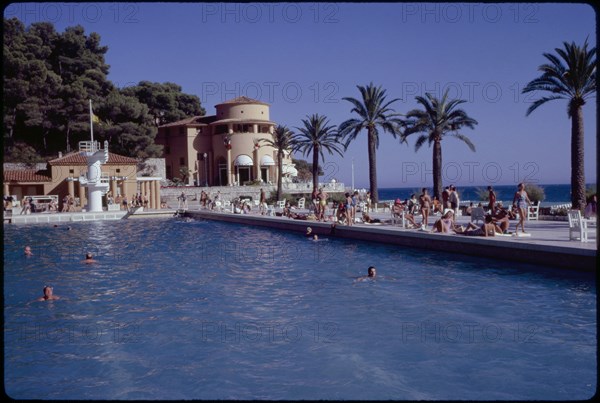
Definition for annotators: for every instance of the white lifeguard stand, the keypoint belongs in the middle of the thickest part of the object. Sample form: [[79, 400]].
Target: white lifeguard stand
[[96, 182]]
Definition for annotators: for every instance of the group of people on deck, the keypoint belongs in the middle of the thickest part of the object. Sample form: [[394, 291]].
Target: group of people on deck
[[496, 221]]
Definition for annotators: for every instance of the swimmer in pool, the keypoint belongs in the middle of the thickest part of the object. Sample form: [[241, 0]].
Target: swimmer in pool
[[371, 274], [89, 258], [48, 296], [28, 251], [308, 233]]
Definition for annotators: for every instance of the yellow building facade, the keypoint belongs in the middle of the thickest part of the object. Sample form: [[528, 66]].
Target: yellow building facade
[[61, 178], [225, 148]]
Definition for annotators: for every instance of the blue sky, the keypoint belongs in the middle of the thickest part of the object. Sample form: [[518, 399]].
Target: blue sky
[[303, 58]]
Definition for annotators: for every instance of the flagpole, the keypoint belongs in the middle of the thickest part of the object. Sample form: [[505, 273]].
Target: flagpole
[[353, 174], [91, 124]]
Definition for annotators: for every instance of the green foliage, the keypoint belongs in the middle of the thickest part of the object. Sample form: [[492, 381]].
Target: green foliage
[[315, 137], [49, 78], [21, 152], [304, 169], [184, 172], [590, 191], [438, 118], [483, 194], [536, 193], [373, 113], [166, 103], [281, 140]]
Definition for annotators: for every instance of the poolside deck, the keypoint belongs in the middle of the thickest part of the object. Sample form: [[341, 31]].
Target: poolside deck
[[549, 243]]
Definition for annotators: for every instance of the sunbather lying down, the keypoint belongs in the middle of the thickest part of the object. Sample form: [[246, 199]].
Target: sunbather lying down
[[369, 220], [486, 229]]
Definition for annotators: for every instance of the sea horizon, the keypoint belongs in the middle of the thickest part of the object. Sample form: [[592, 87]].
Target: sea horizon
[[555, 193]]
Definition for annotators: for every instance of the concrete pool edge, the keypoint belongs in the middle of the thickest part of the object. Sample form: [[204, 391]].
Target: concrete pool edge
[[556, 256]]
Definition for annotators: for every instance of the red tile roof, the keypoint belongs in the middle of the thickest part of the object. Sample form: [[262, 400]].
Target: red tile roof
[[76, 158], [193, 121], [26, 175]]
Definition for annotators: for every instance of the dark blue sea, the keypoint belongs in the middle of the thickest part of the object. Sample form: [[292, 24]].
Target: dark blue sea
[[554, 194]]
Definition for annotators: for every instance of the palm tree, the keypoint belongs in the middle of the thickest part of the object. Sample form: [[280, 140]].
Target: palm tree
[[574, 80], [373, 113], [282, 140], [440, 118], [315, 137]]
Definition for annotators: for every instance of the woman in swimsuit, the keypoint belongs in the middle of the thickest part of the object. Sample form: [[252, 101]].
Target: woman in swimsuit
[[425, 202], [445, 225], [521, 201], [348, 209]]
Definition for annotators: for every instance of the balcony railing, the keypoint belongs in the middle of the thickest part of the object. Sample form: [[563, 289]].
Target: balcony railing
[[89, 146]]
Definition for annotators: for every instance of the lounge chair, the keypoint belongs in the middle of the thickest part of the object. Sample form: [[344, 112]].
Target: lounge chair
[[478, 214], [301, 203], [533, 211], [398, 218], [578, 228]]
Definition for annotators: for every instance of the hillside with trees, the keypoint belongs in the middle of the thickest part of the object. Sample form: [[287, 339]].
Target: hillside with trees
[[49, 78]]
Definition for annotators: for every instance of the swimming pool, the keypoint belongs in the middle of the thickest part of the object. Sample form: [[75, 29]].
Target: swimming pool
[[184, 309]]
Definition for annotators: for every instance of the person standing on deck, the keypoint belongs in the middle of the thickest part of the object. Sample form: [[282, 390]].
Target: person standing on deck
[[445, 198], [425, 202], [492, 200], [521, 202]]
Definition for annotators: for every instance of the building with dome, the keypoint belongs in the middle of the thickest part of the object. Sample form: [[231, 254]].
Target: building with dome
[[225, 148]]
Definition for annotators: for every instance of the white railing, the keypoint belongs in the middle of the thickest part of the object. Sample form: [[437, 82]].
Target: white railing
[[89, 146], [307, 186]]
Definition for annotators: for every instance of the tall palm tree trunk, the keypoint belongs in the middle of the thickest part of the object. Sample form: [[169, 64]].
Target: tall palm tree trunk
[[577, 167], [372, 165], [279, 174], [437, 169], [315, 168]]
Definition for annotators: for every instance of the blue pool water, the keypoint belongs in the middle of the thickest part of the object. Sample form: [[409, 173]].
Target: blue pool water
[[181, 309]]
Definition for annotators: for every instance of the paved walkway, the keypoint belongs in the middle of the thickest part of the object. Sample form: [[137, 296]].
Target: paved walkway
[[548, 244]]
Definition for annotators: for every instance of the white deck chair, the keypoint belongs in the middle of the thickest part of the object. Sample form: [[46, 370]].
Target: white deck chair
[[578, 228], [227, 205], [396, 219], [533, 211], [281, 203], [478, 214], [301, 203], [270, 210]]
